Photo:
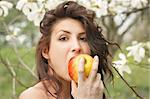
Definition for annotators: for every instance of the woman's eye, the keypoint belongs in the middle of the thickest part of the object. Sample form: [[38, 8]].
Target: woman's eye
[[63, 38], [83, 39]]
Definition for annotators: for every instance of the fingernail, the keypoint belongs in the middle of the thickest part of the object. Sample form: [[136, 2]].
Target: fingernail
[[96, 58], [81, 59], [81, 62]]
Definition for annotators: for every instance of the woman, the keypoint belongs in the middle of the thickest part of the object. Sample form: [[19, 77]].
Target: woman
[[67, 31]]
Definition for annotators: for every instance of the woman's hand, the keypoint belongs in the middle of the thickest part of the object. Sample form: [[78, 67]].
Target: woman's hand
[[91, 87]]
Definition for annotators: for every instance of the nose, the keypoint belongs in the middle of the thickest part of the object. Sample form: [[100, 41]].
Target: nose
[[76, 50], [76, 47]]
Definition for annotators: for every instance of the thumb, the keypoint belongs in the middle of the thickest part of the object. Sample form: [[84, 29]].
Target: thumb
[[74, 88]]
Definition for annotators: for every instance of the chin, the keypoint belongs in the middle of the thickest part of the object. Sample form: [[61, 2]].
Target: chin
[[66, 77]]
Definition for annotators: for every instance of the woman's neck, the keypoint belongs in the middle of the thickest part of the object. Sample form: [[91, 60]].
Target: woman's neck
[[66, 92], [65, 85]]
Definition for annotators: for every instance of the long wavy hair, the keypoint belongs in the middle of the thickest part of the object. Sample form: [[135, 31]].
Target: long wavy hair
[[98, 44]]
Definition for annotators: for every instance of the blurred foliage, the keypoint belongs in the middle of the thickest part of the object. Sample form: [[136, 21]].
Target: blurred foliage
[[117, 90], [139, 78], [22, 74]]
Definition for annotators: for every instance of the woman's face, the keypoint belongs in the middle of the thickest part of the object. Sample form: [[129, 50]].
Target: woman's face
[[68, 39]]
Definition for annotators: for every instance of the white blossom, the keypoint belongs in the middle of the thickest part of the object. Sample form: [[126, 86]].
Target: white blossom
[[118, 19], [137, 51], [16, 39], [51, 4], [26, 6], [99, 6], [102, 8], [138, 3], [9, 37], [121, 64], [29, 8], [33, 10], [125, 3], [38, 15], [118, 6], [4, 8], [20, 4]]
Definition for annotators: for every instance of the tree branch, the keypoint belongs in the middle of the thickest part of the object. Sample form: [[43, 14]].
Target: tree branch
[[131, 87], [123, 22], [107, 27], [130, 12], [22, 62], [129, 27], [137, 10], [11, 70]]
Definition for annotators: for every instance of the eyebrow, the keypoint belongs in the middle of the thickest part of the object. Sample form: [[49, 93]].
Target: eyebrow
[[70, 32]]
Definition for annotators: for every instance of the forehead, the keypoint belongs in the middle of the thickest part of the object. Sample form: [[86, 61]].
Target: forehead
[[68, 24]]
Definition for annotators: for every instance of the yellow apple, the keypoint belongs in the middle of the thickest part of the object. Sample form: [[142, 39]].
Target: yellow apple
[[74, 63]]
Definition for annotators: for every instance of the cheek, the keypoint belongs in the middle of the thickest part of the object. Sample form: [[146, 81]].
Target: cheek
[[86, 48], [58, 54], [59, 63]]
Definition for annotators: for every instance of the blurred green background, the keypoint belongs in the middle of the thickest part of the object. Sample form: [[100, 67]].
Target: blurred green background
[[139, 78], [19, 36]]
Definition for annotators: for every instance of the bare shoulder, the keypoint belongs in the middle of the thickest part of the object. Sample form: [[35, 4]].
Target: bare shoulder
[[35, 92]]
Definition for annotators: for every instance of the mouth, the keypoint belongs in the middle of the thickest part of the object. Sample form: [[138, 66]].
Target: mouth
[[73, 57]]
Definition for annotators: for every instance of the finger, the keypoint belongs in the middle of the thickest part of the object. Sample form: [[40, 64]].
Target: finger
[[98, 80], [94, 70], [81, 70], [74, 88], [98, 76], [98, 85]]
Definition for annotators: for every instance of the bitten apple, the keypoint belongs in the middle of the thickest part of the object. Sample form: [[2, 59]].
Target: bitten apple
[[74, 63]]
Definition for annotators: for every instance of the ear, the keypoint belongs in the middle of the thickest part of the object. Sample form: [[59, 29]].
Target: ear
[[45, 52]]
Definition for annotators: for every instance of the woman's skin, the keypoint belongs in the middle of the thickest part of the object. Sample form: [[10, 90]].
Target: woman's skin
[[68, 39]]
